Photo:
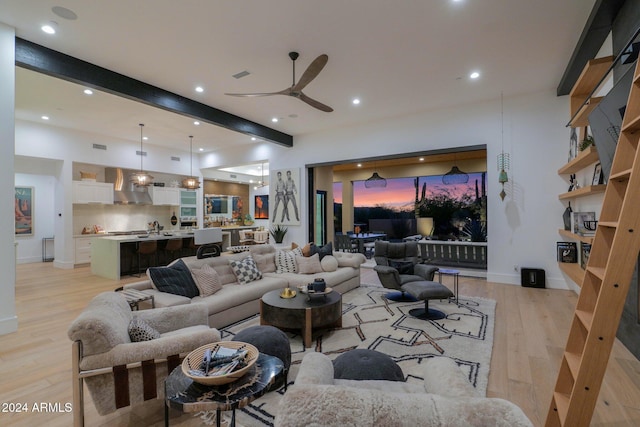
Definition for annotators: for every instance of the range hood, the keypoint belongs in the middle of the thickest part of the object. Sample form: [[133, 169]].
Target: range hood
[[125, 192]]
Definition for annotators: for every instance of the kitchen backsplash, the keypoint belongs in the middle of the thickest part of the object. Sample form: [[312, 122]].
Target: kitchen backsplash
[[122, 217]]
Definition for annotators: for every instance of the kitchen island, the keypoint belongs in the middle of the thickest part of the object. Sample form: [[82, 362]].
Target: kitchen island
[[109, 254], [113, 256]]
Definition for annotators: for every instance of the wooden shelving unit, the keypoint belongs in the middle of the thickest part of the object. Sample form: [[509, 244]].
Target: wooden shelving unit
[[584, 191], [573, 270], [605, 282], [586, 157], [589, 78], [574, 236]]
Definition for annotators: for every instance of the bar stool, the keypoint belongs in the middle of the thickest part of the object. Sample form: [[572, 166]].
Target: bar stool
[[148, 249], [173, 246]]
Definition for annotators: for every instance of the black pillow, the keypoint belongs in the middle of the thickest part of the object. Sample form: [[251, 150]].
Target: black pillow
[[174, 279], [403, 267], [322, 251]]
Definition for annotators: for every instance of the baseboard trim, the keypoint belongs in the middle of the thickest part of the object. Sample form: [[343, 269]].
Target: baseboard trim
[[8, 325]]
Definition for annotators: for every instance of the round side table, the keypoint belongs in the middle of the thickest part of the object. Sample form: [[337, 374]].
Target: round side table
[[455, 274]]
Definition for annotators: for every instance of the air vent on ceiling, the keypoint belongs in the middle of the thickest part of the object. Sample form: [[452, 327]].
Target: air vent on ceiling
[[175, 158], [99, 146], [233, 175], [241, 74], [141, 153]]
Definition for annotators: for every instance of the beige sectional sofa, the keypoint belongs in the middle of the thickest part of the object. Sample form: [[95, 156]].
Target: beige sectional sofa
[[236, 301]]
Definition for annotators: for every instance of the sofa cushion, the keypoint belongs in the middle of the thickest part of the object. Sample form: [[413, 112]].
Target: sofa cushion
[[286, 260], [265, 257], [309, 265], [246, 270], [207, 280], [329, 263], [322, 251], [139, 330], [403, 267], [174, 279]]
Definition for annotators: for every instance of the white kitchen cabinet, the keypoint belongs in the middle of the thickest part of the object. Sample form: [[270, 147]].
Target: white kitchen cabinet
[[85, 192], [165, 196], [83, 250]]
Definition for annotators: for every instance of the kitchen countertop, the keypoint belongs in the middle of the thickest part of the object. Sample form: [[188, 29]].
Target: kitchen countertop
[[153, 236]]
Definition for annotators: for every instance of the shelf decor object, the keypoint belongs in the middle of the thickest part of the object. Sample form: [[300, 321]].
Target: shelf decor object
[[141, 178], [192, 182], [503, 158]]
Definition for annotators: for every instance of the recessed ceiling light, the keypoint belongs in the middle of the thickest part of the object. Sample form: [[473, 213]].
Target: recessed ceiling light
[[45, 117], [88, 92], [49, 28], [274, 120], [474, 75], [200, 149], [421, 159], [199, 89], [359, 165], [356, 101], [253, 138], [197, 123], [145, 138]]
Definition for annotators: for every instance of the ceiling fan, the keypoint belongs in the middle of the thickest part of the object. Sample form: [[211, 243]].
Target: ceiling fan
[[295, 90]]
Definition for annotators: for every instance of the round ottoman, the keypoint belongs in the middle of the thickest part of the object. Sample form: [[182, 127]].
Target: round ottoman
[[363, 364], [272, 341]]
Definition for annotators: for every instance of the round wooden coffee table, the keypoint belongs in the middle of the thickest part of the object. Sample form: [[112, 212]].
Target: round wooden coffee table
[[300, 312]]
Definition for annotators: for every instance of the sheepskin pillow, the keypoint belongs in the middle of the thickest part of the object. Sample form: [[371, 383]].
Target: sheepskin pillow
[[322, 251], [174, 279], [246, 270], [309, 265], [139, 330], [286, 260], [329, 263], [207, 280]]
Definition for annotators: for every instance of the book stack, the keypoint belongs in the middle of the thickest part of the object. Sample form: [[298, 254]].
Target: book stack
[[578, 220], [567, 252]]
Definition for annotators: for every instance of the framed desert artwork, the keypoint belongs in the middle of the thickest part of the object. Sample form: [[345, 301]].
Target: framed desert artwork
[[24, 211]]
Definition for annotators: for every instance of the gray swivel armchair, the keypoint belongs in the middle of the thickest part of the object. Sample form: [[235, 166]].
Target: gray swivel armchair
[[399, 264]]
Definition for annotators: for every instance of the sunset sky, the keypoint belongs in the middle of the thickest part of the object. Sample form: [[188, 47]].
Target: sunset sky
[[400, 192]]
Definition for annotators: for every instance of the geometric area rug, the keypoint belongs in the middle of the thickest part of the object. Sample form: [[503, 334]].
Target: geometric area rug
[[372, 322]]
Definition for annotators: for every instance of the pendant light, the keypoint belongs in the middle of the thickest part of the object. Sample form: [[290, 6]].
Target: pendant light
[[141, 178], [375, 180], [503, 158], [455, 175], [261, 183], [192, 182]]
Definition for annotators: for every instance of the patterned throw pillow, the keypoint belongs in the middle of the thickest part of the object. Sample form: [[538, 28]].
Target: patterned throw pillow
[[174, 279], [207, 280], [246, 270], [309, 265], [139, 330], [286, 261]]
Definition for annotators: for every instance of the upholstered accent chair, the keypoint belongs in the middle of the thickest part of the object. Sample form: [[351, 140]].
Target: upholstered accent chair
[[444, 398], [398, 264], [119, 372]]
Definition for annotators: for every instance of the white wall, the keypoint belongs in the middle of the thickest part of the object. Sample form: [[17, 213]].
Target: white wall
[[8, 318]]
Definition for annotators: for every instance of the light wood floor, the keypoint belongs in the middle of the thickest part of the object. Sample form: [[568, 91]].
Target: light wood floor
[[530, 332]]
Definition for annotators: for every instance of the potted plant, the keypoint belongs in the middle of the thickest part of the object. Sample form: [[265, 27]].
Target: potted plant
[[278, 232], [248, 220]]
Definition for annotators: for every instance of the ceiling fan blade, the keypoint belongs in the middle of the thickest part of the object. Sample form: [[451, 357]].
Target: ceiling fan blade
[[311, 72], [314, 103], [286, 91]]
